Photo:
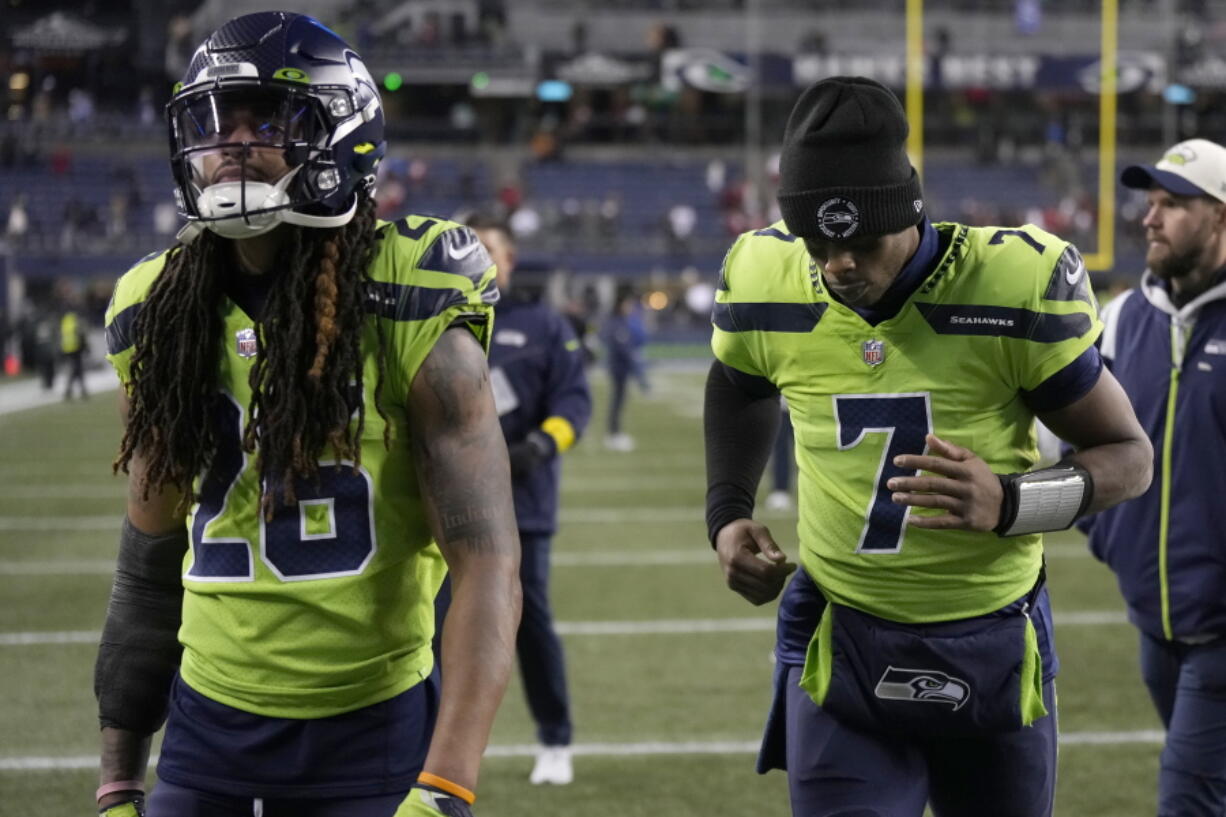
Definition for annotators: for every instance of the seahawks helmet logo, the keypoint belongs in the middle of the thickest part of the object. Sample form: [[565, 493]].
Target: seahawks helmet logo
[[925, 685], [838, 218]]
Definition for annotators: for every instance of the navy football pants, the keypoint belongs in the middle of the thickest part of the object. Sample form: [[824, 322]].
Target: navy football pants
[[541, 663], [176, 801], [837, 771], [1188, 686]]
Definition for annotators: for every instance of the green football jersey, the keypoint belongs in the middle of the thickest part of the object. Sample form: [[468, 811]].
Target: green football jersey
[[328, 606], [1001, 311]]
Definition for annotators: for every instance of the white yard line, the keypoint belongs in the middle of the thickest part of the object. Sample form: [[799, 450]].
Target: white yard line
[[29, 394], [559, 558], [61, 491], [678, 626], [111, 522], [68, 567], [637, 749]]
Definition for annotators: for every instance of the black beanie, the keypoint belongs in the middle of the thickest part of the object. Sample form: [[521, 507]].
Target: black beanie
[[844, 170]]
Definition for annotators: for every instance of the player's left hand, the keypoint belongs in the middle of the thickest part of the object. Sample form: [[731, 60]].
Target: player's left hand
[[963, 486], [427, 801], [133, 806]]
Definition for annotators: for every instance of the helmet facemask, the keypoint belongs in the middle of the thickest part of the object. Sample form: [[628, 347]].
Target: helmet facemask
[[249, 155]]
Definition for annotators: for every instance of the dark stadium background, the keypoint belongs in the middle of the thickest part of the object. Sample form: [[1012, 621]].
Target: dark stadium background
[[626, 142]]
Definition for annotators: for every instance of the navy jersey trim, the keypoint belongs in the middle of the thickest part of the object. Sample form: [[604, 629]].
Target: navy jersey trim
[[1002, 321], [406, 302], [1067, 386], [767, 317], [771, 232], [457, 251], [1069, 280], [414, 233], [119, 330]]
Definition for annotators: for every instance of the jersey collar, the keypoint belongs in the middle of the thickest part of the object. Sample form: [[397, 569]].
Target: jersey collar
[[909, 278]]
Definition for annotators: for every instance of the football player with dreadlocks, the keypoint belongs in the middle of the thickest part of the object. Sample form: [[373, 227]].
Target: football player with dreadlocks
[[311, 443]]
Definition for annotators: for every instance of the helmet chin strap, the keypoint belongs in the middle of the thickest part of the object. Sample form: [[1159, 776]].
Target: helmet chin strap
[[244, 209]]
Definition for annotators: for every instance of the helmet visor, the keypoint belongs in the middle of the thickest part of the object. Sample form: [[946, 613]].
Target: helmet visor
[[254, 115]]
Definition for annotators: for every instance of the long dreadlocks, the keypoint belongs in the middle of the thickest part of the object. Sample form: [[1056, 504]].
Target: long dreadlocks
[[303, 380]]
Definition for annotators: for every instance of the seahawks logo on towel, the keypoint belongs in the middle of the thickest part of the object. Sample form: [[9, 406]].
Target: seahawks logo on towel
[[928, 685]]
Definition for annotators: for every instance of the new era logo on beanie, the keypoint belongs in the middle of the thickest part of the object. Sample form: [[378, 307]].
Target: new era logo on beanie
[[843, 170], [1196, 167]]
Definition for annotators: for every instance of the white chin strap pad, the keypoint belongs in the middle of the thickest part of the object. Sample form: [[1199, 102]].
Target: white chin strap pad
[[237, 210], [233, 209]]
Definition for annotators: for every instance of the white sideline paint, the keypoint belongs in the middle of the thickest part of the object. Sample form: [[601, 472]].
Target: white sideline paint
[[602, 516], [578, 516], [597, 558], [679, 626], [643, 749]]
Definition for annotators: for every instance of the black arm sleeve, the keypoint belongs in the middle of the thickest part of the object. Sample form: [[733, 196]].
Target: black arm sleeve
[[139, 653], [740, 421]]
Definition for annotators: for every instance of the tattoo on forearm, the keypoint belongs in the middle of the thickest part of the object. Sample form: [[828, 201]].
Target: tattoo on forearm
[[456, 445], [470, 526]]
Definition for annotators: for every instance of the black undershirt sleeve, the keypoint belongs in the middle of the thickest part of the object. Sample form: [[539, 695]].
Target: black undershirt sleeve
[[740, 420]]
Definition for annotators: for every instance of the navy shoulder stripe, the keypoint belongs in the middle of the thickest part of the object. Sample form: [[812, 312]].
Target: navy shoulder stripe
[[119, 330], [457, 251], [1002, 321], [1069, 280], [773, 233], [402, 227], [406, 302], [767, 317]]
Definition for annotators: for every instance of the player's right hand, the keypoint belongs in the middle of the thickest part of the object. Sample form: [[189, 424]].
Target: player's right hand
[[427, 801], [753, 564]]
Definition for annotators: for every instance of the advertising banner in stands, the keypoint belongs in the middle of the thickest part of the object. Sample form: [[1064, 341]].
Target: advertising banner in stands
[[1139, 70], [1207, 72]]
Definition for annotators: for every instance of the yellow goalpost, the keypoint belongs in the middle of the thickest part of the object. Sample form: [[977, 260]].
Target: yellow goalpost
[[1103, 258]]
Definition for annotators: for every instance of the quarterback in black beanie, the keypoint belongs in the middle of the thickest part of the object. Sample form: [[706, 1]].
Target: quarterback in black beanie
[[847, 187], [915, 358]]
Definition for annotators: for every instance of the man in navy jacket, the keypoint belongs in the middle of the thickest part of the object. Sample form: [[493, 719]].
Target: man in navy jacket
[[541, 394], [1165, 341]]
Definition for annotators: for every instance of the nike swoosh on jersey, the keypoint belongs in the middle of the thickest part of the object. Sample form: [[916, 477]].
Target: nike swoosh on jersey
[[1074, 275], [464, 252]]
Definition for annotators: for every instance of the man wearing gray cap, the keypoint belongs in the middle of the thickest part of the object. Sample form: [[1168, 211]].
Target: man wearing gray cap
[[915, 653], [1166, 343]]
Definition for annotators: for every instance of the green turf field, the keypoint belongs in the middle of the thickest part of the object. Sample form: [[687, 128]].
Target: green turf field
[[666, 715]]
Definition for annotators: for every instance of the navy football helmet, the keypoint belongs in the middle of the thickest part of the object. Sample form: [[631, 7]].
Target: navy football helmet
[[273, 81]]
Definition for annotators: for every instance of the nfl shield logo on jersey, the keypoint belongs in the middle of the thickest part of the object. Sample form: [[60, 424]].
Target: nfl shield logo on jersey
[[873, 351], [244, 342]]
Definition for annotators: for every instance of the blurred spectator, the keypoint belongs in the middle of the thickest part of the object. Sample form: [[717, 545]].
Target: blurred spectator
[[80, 106], [165, 218], [681, 221], [8, 150], [17, 227], [44, 349], [116, 227], [545, 145], [525, 222], [61, 160], [610, 220], [624, 336], [73, 346]]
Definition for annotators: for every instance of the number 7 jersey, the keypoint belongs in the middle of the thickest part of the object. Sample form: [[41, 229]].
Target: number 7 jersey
[[328, 606], [1001, 311]]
